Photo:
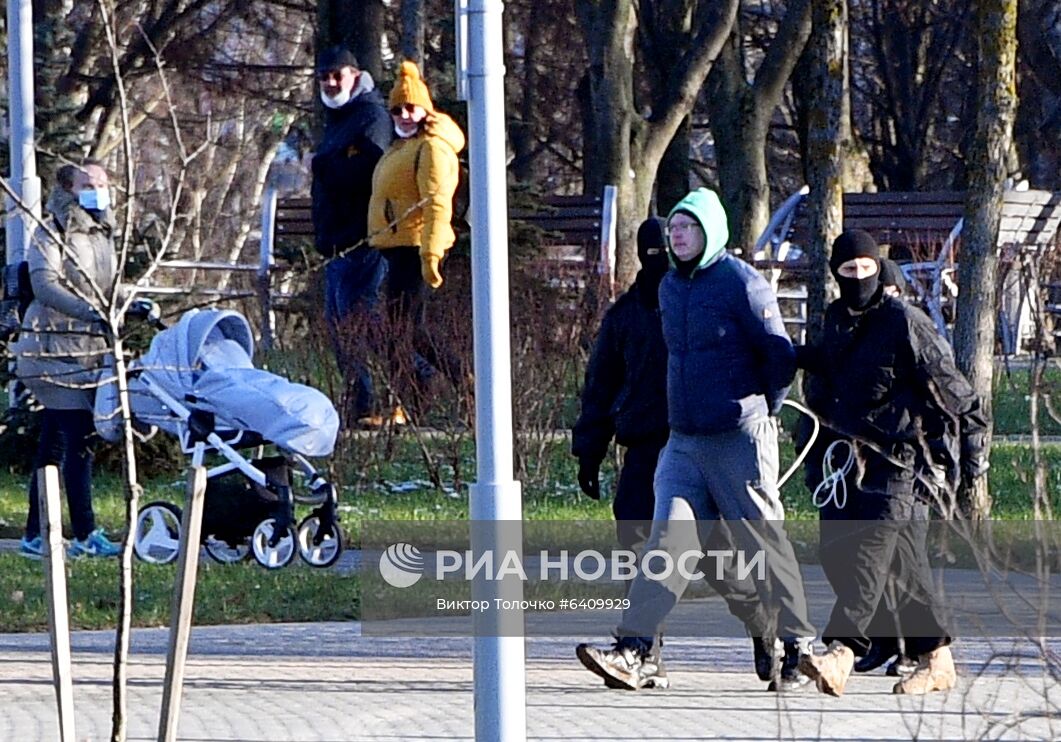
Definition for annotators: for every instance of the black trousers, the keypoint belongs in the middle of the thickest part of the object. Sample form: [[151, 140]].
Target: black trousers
[[873, 553], [64, 442], [414, 355], [634, 502], [884, 630], [635, 499]]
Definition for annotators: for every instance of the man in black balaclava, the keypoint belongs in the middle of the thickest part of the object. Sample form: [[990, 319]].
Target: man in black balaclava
[[629, 363], [884, 385], [855, 264]]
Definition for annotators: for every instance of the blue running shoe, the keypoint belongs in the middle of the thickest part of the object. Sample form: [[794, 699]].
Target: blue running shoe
[[96, 544], [32, 548]]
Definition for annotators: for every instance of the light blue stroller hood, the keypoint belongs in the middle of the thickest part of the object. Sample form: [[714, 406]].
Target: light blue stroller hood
[[204, 361]]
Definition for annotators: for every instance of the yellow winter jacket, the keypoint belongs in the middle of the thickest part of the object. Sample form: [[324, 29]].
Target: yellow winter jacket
[[424, 167]]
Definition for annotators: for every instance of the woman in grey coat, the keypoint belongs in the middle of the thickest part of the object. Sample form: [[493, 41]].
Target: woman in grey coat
[[62, 343]]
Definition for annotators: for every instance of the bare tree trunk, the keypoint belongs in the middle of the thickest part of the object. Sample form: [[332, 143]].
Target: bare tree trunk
[[824, 142], [523, 133], [740, 121], [742, 179], [609, 29], [621, 147], [974, 327], [854, 157], [672, 183], [358, 24], [413, 31], [132, 489]]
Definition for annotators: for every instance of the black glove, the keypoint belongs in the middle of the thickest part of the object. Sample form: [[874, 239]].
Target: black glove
[[589, 477]]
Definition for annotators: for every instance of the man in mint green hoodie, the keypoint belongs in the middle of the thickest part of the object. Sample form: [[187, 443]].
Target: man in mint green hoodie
[[729, 365]]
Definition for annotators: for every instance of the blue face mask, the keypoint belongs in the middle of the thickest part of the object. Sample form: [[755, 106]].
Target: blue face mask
[[94, 199]]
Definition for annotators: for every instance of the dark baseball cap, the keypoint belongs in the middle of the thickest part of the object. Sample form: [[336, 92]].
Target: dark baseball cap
[[336, 58]]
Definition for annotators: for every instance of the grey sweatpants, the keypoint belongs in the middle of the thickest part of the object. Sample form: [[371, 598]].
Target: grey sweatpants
[[719, 493]]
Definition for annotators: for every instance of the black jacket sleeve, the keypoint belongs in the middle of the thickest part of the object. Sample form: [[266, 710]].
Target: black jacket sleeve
[[810, 358], [934, 362], [323, 239], [604, 378]]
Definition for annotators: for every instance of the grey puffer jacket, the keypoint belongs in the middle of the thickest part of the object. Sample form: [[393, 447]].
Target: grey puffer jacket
[[61, 347]]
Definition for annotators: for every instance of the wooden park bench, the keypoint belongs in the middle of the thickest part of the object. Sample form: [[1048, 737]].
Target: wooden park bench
[[578, 239], [921, 231]]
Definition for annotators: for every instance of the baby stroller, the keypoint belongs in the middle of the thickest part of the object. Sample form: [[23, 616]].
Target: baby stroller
[[198, 384]]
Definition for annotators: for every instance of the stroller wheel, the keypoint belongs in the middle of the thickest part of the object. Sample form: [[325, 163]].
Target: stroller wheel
[[158, 533], [315, 548], [221, 551], [268, 555]]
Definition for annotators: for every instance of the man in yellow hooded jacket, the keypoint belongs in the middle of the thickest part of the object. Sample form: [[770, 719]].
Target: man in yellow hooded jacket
[[409, 221]]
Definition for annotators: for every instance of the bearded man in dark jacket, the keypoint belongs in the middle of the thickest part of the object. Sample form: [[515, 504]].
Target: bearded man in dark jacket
[[884, 384], [357, 130]]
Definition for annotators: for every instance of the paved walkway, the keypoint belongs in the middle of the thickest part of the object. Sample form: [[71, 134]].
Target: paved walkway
[[325, 682]]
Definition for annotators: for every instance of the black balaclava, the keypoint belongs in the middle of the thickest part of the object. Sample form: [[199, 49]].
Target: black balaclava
[[856, 293], [652, 252]]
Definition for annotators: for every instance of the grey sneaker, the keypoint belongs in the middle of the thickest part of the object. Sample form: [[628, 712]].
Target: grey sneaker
[[627, 665]]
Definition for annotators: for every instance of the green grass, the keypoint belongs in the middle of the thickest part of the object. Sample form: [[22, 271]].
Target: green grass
[[246, 593], [1012, 405], [242, 593], [557, 499]]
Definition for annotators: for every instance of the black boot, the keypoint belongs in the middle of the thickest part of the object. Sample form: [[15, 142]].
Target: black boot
[[767, 657], [791, 677], [880, 651]]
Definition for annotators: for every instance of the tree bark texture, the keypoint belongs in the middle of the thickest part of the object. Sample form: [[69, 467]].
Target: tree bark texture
[[974, 327], [672, 181], [824, 145], [854, 157], [740, 121], [523, 132], [413, 31], [358, 24], [622, 147]]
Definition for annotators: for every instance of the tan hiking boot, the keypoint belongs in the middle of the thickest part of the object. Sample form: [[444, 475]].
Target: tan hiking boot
[[398, 416], [370, 422], [831, 670], [934, 672]]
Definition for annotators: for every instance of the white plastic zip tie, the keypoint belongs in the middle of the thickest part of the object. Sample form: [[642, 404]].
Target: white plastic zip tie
[[834, 485]]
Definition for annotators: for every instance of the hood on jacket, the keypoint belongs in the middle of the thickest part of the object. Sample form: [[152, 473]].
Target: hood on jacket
[[441, 126], [704, 205], [365, 84]]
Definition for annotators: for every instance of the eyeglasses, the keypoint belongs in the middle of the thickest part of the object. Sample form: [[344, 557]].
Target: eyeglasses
[[330, 76], [409, 108], [681, 227]]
